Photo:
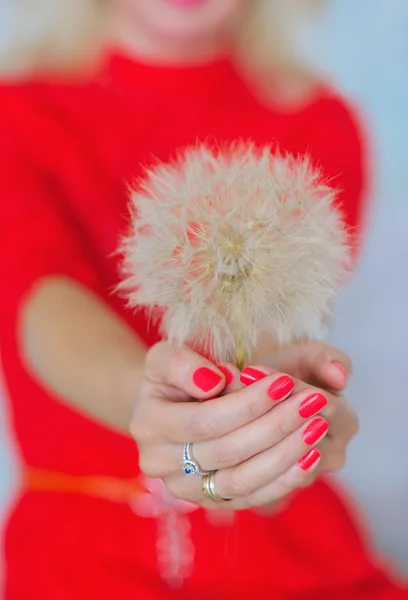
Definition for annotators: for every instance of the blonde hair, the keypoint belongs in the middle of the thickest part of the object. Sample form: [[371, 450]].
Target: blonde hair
[[48, 35], [51, 35]]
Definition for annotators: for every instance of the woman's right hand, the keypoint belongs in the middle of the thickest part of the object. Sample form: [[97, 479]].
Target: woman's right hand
[[258, 452]]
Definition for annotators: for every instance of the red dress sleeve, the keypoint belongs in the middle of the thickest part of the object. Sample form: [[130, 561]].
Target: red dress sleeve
[[338, 142], [39, 235]]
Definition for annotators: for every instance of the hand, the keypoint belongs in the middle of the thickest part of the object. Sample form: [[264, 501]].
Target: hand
[[341, 417], [320, 364], [317, 363], [251, 438], [313, 362]]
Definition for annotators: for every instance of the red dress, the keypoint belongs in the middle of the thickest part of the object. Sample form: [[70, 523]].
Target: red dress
[[66, 153]]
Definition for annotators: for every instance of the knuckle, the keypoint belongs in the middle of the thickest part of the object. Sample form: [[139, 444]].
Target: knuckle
[[238, 486], [141, 432], [179, 358], [227, 455], [281, 428], [201, 427], [251, 407], [283, 486]]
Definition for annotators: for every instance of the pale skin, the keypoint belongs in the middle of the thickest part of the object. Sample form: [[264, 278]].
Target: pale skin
[[79, 348]]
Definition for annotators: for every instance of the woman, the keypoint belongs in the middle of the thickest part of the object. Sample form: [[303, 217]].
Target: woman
[[86, 524]]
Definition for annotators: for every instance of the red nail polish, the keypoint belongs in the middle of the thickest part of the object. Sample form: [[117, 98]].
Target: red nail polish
[[315, 431], [309, 459], [227, 374], [206, 379], [250, 375], [341, 368], [281, 388], [312, 405]]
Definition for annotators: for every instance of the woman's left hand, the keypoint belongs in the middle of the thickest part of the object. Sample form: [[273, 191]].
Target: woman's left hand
[[330, 451], [343, 426], [313, 362], [317, 363], [320, 364], [340, 416]]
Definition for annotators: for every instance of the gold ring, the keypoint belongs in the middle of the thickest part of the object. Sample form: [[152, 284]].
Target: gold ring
[[208, 487]]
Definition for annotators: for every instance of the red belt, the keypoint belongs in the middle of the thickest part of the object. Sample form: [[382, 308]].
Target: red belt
[[114, 489]]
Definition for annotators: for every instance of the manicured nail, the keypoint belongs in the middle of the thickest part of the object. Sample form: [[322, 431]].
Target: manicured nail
[[309, 459], [281, 388], [250, 375], [227, 374], [315, 431], [341, 368], [206, 379], [312, 405]]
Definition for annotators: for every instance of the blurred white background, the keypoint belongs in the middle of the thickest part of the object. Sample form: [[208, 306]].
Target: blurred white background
[[364, 45], [366, 49]]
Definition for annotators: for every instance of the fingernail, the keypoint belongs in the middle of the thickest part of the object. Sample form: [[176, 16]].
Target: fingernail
[[312, 405], [309, 459], [315, 431], [227, 374], [206, 379], [250, 375], [281, 388], [341, 368]]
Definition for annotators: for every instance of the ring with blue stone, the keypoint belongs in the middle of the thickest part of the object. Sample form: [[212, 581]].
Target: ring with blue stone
[[189, 465]]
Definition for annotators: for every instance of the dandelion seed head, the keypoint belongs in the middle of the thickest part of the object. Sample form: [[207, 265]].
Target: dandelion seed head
[[232, 243]]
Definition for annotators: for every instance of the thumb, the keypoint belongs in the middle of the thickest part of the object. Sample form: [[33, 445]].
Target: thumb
[[330, 368], [183, 369]]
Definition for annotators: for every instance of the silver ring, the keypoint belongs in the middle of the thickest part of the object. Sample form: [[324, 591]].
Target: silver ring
[[189, 465]]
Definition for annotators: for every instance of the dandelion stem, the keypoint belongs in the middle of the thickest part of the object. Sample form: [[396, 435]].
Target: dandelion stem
[[240, 353]]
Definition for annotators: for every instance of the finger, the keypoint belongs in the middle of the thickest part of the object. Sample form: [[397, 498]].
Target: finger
[[243, 482], [326, 457], [259, 435], [254, 373], [185, 370], [195, 422], [232, 375], [243, 443], [342, 418], [299, 475], [302, 472], [327, 367], [245, 479]]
